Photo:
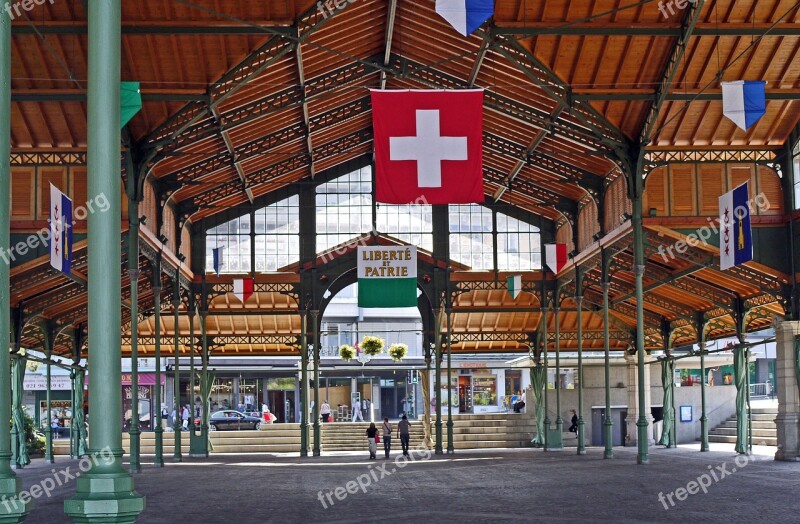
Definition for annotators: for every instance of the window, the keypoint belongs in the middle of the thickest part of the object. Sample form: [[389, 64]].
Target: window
[[344, 209], [234, 238], [276, 239], [796, 173], [411, 223], [518, 245], [471, 239]]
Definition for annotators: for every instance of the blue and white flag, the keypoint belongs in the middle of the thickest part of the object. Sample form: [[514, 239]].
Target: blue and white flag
[[217, 254], [465, 15], [744, 102], [60, 231], [735, 236]]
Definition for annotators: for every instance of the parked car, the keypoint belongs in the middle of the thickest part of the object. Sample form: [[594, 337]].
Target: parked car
[[228, 419]]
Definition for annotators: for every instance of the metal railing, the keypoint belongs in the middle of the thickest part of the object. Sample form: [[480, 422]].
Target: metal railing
[[759, 390]]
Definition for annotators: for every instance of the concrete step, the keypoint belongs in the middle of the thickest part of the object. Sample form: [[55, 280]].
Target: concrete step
[[760, 424], [757, 441], [756, 432]]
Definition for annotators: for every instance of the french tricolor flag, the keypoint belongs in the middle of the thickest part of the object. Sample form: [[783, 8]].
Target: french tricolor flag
[[60, 231], [465, 15]]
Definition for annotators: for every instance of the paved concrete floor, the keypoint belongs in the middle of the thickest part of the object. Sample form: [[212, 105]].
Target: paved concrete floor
[[476, 486]]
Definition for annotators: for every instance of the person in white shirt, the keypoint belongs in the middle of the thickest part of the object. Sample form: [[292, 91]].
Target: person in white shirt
[[325, 411], [357, 412]]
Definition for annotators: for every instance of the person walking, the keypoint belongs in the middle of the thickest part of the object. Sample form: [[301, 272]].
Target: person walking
[[404, 434], [372, 438], [325, 411], [387, 436], [357, 412], [185, 417], [574, 427]]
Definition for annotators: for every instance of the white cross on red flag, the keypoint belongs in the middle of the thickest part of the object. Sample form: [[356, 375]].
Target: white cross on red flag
[[428, 146]]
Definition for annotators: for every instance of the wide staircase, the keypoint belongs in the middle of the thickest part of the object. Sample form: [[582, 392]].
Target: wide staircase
[[272, 438], [490, 430], [765, 433]]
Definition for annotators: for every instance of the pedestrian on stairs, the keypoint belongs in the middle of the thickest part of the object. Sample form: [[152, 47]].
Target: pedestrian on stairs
[[372, 438]]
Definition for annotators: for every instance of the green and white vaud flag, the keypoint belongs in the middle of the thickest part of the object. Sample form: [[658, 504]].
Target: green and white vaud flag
[[387, 276], [514, 285]]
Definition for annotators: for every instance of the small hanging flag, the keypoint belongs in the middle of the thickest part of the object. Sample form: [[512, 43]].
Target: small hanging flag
[[217, 254], [465, 15], [514, 286], [130, 102], [556, 256], [60, 231], [744, 102], [735, 235], [243, 289]]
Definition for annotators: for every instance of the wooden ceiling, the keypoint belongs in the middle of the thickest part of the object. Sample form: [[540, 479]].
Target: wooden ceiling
[[244, 98]]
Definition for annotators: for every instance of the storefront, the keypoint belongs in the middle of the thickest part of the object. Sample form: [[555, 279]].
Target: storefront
[[145, 395]]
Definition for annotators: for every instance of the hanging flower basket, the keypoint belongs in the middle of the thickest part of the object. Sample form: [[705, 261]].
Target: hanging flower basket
[[347, 352], [398, 352], [372, 346]]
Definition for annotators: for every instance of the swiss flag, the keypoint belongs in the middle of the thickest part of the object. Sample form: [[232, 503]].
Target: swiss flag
[[428, 146]]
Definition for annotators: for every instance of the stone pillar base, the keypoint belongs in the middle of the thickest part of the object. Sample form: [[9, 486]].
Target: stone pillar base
[[104, 498], [789, 436], [12, 508]]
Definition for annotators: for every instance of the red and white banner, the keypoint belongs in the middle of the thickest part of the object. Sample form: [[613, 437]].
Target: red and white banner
[[556, 256], [428, 146], [243, 289]]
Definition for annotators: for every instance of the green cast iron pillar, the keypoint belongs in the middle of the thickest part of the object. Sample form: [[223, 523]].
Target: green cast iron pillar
[[437, 449], [177, 456], [701, 342], [317, 451], [303, 383], [608, 423], [195, 447], [579, 305], [205, 384], [105, 492], [48, 431], [134, 431], [559, 420], [547, 442], [642, 456], [450, 446], [158, 461], [10, 484]]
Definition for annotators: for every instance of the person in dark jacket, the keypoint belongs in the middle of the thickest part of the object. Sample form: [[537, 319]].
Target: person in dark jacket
[[372, 432], [574, 427]]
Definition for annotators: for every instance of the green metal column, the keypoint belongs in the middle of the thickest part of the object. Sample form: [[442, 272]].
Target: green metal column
[[608, 423], [437, 355], [317, 451], [205, 384], [303, 383], [450, 446], [642, 456], [559, 420], [134, 432], [48, 432], [547, 442], [581, 445], [10, 484], [158, 461], [105, 493], [195, 449], [701, 342], [177, 456]]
